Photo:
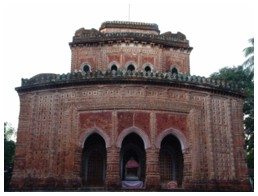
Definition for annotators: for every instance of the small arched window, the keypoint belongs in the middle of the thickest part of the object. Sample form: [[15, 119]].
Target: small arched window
[[147, 68], [174, 71], [114, 67], [130, 67], [86, 68]]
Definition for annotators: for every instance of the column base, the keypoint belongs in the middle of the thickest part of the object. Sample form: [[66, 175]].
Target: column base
[[152, 183]]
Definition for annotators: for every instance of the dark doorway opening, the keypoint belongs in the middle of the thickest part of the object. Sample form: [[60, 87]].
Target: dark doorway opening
[[86, 68], [130, 67], [94, 161], [132, 149], [171, 160], [174, 71], [114, 67], [147, 69]]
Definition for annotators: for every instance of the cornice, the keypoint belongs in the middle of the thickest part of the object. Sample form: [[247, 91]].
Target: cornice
[[49, 81]]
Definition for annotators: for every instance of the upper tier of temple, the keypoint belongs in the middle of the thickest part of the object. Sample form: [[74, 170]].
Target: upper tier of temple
[[129, 46], [137, 32]]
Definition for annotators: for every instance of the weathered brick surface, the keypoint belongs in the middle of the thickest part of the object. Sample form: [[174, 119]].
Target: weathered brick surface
[[125, 120], [49, 148], [113, 168], [168, 120], [54, 124], [100, 57], [100, 119]]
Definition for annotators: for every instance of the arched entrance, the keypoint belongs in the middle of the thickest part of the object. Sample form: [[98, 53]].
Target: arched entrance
[[94, 161], [132, 158], [171, 161]]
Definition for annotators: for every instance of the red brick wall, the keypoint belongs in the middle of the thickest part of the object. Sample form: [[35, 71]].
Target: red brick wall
[[138, 119], [102, 120], [125, 120], [167, 120], [100, 57], [113, 57], [48, 150]]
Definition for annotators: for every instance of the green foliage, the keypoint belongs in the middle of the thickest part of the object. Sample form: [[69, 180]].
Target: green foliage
[[9, 145], [238, 75], [249, 54], [9, 150], [243, 75], [8, 131]]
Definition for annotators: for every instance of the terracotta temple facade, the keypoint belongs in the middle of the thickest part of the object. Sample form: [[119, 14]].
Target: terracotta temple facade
[[129, 116]]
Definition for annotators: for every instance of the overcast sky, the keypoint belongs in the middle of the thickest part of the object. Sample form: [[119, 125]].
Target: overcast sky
[[35, 36]]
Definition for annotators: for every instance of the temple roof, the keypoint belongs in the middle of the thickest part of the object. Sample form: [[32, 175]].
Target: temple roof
[[134, 32], [130, 25]]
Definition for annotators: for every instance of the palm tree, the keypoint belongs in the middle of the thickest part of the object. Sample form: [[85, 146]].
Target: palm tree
[[249, 108], [249, 54]]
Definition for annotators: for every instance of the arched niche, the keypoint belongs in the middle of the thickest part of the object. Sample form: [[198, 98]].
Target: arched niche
[[88, 132], [136, 130], [132, 158], [94, 158], [171, 131], [174, 70], [171, 162], [114, 65], [86, 67], [148, 67], [131, 66]]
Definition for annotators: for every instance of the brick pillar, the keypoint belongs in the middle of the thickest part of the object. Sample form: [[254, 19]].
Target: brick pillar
[[152, 180], [113, 168], [187, 169]]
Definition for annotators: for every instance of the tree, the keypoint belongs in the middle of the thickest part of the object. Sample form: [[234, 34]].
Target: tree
[[8, 131], [9, 150], [249, 106], [249, 54]]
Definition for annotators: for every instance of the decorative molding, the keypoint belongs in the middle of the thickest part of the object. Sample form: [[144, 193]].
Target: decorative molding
[[172, 131], [47, 81], [88, 132], [136, 130]]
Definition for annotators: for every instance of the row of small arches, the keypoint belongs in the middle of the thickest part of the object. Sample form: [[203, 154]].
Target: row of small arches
[[87, 68]]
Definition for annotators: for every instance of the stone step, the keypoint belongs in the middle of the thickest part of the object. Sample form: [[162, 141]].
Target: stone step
[[92, 189], [103, 189]]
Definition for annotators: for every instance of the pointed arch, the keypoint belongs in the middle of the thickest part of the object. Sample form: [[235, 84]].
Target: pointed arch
[[88, 132], [86, 67], [93, 159], [178, 134], [136, 130], [131, 65], [148, 67], [112, 64], [174, 70]]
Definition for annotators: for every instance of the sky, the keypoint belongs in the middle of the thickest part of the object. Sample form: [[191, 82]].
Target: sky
[[35, 34]]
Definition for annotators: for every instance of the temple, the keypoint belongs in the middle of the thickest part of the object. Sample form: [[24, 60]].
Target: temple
[[129, 116]]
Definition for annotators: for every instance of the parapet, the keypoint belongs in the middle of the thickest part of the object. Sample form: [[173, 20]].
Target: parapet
[[46, 81], [118, 25], [136, 32]]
